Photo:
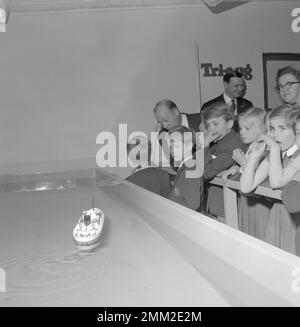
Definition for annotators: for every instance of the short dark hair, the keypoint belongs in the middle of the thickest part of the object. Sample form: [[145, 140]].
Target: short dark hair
[[166, 103], [218, 109], [229, 75]]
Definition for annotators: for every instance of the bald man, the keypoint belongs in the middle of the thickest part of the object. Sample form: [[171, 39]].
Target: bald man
[[168, 116]]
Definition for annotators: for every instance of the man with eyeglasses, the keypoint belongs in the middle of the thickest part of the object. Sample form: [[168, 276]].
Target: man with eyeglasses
[[288, 85]]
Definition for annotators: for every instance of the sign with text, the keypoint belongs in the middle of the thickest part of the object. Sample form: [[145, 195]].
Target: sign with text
[[211, 70]]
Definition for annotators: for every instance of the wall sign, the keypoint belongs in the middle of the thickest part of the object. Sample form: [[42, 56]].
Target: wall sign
[[209, 70]]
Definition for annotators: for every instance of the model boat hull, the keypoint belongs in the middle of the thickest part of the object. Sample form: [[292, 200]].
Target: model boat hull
[[89, 227]]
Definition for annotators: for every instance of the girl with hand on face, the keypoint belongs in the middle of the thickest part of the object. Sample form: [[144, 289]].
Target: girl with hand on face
[[253, 211], [251, 127], [279, 166], [291, 192]]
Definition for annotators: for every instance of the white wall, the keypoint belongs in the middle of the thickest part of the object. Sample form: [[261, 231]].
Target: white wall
[[67, 76]]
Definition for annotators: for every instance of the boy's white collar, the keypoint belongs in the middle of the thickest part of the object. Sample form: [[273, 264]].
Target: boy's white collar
[[289, 152]]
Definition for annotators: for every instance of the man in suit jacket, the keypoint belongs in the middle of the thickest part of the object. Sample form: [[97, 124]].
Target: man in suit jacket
[[168, 117], [145, 175], [187, 186], [234, 87], [151, 178]]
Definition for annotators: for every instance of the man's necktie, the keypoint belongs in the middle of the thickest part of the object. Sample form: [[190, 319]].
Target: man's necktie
[[233, 107]]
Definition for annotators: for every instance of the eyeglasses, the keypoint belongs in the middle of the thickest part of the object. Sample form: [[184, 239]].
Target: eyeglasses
[[287, 85]]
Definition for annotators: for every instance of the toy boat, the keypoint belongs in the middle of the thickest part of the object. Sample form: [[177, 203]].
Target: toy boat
[[89, 227]]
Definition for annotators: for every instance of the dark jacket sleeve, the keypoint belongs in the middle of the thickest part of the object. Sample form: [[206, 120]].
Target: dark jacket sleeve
[[190, 194], [219, 98], [213, 167], [165, 185], [291, 196], [153, 179], [189, 188], [224, 160]]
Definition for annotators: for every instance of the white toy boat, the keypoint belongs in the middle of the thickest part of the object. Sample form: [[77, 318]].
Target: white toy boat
[[89, 227]]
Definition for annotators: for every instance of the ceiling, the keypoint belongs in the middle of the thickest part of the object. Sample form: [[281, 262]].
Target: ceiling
[[215, 6]]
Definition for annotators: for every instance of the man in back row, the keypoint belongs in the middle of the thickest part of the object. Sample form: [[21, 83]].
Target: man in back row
[[168, 116], [234, 88]]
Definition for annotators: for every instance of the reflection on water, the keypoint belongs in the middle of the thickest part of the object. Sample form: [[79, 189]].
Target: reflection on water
[[62, 275], [132, 265], [40, 228], [56, 181], [52, 275]]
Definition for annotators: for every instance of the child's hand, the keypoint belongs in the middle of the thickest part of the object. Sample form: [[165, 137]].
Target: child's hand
[[257, 149], [210, 137], [231, 171], [239, 156], [271, 143]]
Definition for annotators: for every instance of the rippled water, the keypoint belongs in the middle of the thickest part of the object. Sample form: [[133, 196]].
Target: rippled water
[[51, 275], [38, 253], [132, 265]]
